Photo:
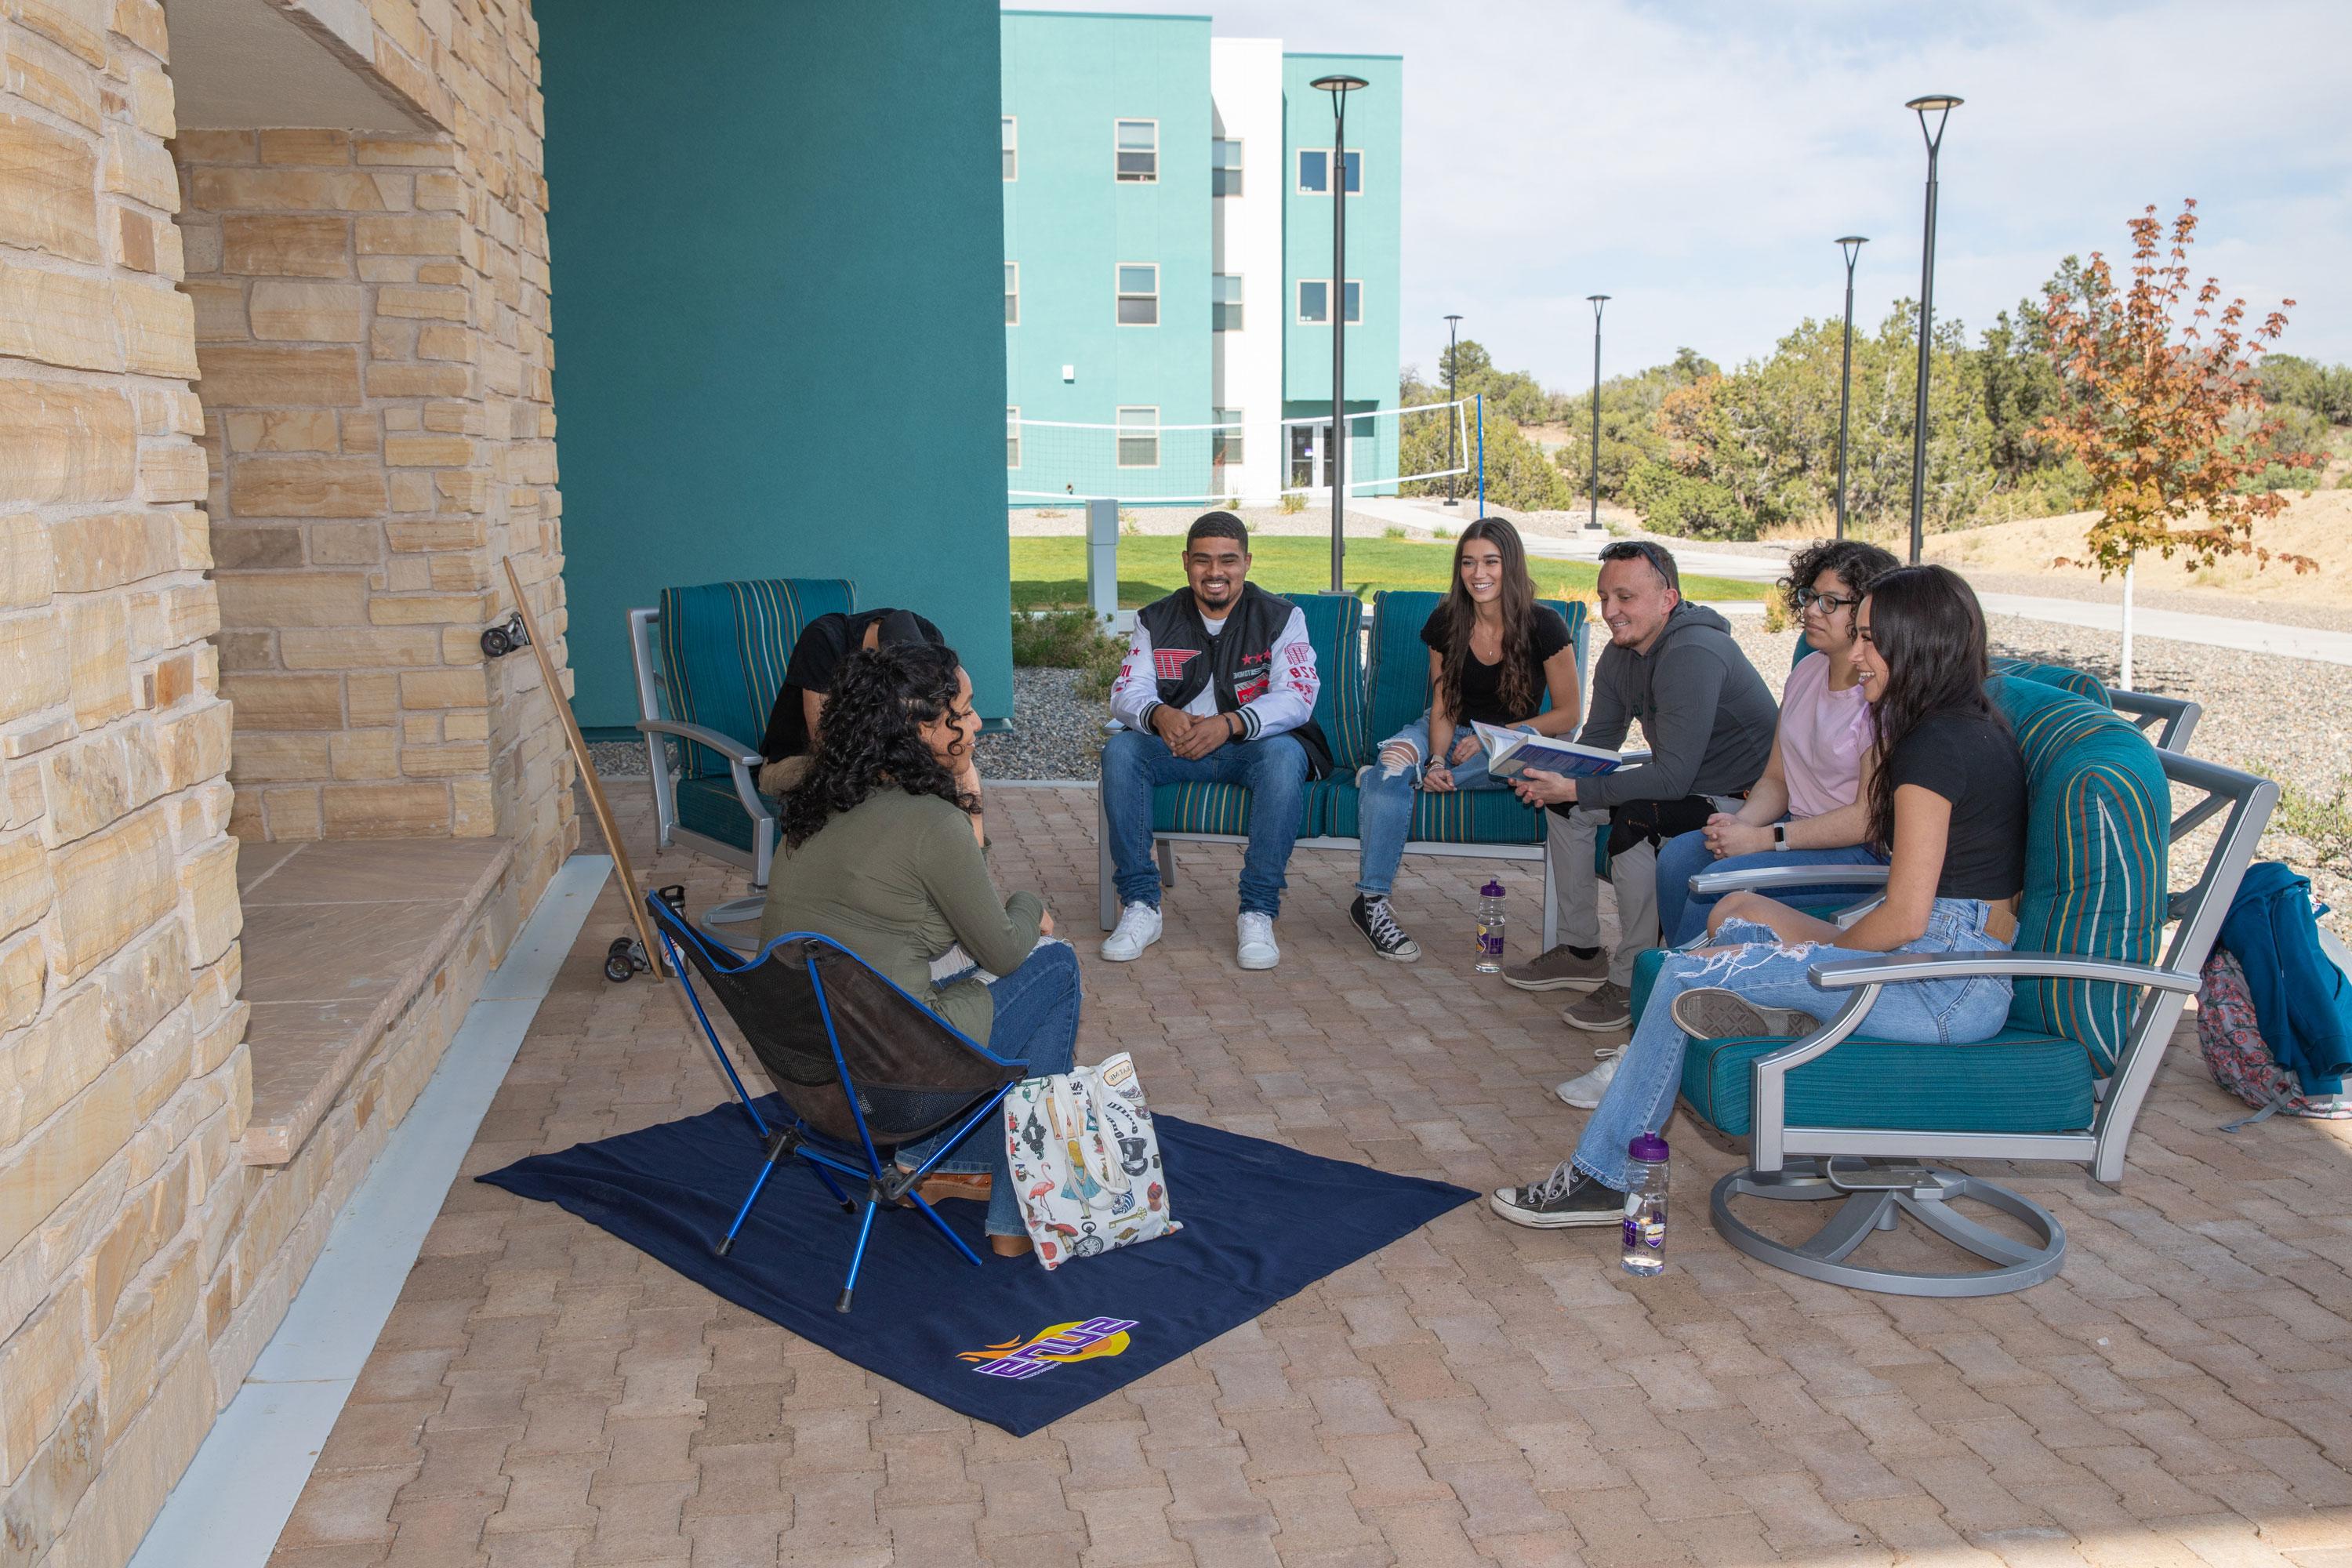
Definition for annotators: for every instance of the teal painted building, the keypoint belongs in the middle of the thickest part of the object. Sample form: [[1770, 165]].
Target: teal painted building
[[1167, 294], [774, 230]]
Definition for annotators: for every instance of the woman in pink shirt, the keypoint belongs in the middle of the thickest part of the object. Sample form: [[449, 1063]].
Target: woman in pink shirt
[[1808, 807]]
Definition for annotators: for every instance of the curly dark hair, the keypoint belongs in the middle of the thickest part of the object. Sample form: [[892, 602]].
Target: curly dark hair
[[871, 738], [1859, 563]]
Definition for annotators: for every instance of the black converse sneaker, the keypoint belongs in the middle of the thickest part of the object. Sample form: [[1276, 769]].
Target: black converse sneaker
[[1373, 917], [1566, 1198]]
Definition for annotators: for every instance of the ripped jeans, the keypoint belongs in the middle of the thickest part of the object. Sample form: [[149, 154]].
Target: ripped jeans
[[1748, 958]]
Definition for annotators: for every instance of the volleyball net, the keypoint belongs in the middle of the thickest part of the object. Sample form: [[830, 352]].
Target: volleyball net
[[1136, 458]]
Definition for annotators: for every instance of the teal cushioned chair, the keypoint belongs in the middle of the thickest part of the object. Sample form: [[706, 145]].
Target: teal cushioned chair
[[2063, 1081], [708, 662], [1217, 811]]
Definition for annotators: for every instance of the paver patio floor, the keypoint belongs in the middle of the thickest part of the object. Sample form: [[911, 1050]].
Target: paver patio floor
[[1475, 1394]]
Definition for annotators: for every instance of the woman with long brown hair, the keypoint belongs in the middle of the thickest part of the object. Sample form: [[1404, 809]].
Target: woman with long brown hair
[[1496, 656]]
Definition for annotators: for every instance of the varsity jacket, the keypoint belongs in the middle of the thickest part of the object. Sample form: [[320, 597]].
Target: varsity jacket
[[1258, 662]]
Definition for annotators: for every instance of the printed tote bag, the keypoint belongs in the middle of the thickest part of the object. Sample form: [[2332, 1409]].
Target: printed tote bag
[[1087, 1161]]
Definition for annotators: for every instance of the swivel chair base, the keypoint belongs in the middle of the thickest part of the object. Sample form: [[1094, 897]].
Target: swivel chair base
[[1875, 1196]]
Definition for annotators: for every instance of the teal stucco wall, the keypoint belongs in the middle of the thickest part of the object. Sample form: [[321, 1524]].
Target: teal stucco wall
[[776, 234], [1069, 223]]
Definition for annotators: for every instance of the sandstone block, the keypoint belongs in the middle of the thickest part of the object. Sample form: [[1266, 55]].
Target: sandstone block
[[461, 490], [424, 304], [42, 1367], [429, 451], [307, 312], [256, 757], [141, 984], [308, 245], [98, 658], [449, 340], [106, 549], [77, 26], [292, 813], [150, 1221], [436, 690], [419, 381], [440, 193], [48, 197], [436, 235], [111, 886], [167, 617], [51, 78], [423, 152], [466, 726], [280, 430], [420, 728], [57, 317], [148, 1323], [444, 760], [306, 147], [98, 780], [56, 1059], [410, 490], [307, 486], [296, 191], [158, 324], [138, 165], [474, 809], [386, 811], [292, 598], [362, 433], [436, 533], [374, 699], [263, 375], [24, 981], [27, 573], [216, 915], [286, 701], [174, 472], [154, 107], [344, 543], [62, 442], [429, 609], [43, 1497], [363, 755], [25, 887], [219, 306], [194, 747], [359, 648]]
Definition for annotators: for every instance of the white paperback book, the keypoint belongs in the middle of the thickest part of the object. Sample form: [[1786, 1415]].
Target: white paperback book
[[1511, 752]]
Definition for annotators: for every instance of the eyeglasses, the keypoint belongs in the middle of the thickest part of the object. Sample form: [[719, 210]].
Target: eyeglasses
[[1829, 603]]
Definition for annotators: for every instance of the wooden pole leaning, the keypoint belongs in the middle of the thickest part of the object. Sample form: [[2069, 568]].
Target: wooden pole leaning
[[595, 789]]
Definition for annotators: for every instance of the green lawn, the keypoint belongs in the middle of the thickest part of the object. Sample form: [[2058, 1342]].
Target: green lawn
[[1053, 572]]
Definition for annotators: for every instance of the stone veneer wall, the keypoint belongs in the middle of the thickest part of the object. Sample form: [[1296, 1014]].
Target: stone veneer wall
[[141, 1264]]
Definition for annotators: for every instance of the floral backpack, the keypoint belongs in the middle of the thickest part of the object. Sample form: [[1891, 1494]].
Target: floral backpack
[[2241, 1060]]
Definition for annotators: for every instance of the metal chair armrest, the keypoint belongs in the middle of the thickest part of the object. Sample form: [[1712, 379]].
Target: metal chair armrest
[[2174, 719], [744, 764], [1709, 884], [1892, 968]]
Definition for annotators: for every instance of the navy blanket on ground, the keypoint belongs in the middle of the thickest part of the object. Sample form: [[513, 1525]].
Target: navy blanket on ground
[[1261, 1221]]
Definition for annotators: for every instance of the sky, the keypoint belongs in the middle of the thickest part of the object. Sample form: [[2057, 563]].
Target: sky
[[1698, 161]]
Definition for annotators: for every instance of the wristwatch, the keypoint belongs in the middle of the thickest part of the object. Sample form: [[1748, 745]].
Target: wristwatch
[[1780, 836]]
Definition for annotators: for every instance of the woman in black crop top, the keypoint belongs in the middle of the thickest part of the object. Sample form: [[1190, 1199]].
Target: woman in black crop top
[[1946, 806], [1496, 656]]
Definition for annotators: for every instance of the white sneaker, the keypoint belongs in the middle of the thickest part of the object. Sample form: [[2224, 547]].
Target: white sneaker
[[1139, 928], [1254, 943], [1584, 1091]]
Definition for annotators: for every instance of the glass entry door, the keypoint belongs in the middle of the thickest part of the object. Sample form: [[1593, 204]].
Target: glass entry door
[[1310, 457]]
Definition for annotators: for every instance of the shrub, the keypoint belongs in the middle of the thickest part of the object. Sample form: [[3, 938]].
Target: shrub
[[1293, 502], [1068, 640], [2324, 824]]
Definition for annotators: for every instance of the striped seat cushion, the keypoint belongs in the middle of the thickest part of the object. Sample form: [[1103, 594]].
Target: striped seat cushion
[[1478, 816], [1220, 808], [1399, 676], [709, 807], [724, 647], [2089, 688]]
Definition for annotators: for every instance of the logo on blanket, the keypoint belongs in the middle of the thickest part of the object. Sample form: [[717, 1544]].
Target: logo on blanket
[[1049, 1347]]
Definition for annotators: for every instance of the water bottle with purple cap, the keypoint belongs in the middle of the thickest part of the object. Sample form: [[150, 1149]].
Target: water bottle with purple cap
[[1490, 930], [1645, 1207]]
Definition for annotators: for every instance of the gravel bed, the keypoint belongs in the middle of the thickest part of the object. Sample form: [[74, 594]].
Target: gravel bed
[[2196, 602], [1055, 734], [617, 759]]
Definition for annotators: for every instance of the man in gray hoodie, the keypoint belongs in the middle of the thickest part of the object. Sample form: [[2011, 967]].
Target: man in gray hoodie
[[1708, 719]]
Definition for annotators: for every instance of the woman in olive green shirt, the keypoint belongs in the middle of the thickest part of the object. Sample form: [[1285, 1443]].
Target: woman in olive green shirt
[[880, 855]]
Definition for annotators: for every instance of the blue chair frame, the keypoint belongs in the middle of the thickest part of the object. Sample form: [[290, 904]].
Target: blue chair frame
[[885, 1181]]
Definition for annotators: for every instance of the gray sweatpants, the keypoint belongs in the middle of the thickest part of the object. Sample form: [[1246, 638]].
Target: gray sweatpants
[[1634, 876]]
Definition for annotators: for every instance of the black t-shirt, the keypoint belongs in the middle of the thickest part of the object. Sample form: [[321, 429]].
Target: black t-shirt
[[1482, 684], [1973, 761], [816, 659]]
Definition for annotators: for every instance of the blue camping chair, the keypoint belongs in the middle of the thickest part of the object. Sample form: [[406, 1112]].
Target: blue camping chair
[[861, 1067]]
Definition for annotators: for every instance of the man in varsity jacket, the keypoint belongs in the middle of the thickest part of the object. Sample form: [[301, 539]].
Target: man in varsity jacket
[[1218, 688]]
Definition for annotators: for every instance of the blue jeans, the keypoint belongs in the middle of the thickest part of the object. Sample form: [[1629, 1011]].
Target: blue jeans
[[1273, 768], [1682, 914], [1036, 1022], [1385, 802], [1749, 959]]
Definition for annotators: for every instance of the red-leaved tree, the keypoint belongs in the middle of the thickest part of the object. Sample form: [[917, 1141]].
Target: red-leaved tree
[[2166, 413]]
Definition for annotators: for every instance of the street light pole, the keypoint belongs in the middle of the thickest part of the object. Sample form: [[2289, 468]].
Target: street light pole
[[1852, 245], [1452, 398], [1598, 301], [1338, 87], [1942, 103]]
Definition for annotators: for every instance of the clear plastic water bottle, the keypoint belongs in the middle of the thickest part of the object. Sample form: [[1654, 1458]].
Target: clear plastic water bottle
[[1490, 928], [1645, 1207]]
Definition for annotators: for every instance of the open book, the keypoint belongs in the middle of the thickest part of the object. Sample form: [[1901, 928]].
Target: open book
[[1511, 752]]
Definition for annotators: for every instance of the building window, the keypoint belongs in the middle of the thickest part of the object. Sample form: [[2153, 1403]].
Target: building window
[[1314, 302], [1013, 293], [1224, 301], [1314, 173], [1139, 438], [1136, 152], [1225, 443], [1011, 437], [1139, 293], [1224, 167], [1012, 147]]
